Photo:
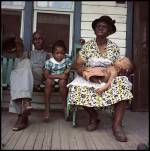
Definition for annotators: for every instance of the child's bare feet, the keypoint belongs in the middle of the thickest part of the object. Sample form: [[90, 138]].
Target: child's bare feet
[[46, 116]]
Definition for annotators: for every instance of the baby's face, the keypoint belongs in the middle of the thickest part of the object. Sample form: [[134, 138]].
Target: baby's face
[[123, 64]]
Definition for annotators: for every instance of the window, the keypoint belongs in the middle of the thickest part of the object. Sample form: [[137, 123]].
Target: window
[[11, 22], [55, 27], [55, 5], [13, 4], [11, 19], [10, 25], [55, 20]]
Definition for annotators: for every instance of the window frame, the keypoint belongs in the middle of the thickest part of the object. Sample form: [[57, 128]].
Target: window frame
[[22, 17], [54, 9], [36, 11]]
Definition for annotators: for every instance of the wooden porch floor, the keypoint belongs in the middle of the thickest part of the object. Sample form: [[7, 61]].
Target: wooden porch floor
[[59, 134]]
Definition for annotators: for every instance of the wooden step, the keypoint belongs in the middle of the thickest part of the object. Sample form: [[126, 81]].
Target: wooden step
[[37, 100]]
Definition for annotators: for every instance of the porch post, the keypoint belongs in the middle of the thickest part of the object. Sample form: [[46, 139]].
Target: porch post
[[28, 19], [77, 25], [77, 21], [129, 41]]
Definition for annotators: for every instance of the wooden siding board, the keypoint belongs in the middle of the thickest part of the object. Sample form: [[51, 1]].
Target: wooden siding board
[[104, 3], [90, 17], [121, 27], [117, 35], [104, 9]]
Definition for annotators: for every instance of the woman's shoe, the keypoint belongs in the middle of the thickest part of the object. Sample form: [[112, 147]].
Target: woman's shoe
[[93, 125], [18, 122], [21, 123], [119, 134]]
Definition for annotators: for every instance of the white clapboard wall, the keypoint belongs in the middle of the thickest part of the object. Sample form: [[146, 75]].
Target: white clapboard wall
[[91, 10]]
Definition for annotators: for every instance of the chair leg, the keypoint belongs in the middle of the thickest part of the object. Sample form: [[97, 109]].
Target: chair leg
[[67, 114], [74, 120]]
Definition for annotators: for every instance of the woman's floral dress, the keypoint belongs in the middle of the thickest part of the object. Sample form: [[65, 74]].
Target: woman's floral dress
[[82, 92]]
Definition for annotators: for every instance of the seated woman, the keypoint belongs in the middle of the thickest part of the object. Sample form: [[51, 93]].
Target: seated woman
[[21, 85], [82, 93]]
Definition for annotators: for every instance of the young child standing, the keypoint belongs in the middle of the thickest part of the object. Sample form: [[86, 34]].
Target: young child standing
[[56, 69]]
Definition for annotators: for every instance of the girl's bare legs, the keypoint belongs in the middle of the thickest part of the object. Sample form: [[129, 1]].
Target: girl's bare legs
[[63, 92], [47, 94], [119, 110]]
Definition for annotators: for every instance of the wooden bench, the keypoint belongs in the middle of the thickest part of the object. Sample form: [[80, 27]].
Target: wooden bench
[[7, 65]]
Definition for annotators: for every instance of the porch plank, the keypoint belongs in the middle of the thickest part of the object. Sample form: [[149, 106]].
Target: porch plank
[[60, 134], [32, 137], [40, 137], [7, 124], [13, 140], [23, 139], [49, 131], [56, 132], [64, 134], [71, 135], [89, 141]]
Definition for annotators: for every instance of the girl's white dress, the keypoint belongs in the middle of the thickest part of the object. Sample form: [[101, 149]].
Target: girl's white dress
[[21, 83]]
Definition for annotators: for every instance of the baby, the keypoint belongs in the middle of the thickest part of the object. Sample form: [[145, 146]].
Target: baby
[[121, 66]]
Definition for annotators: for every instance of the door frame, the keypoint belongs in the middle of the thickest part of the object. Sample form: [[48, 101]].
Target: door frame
[[140, 91]]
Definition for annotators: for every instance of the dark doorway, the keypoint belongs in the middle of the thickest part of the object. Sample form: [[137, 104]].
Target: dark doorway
[[55, 27]]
